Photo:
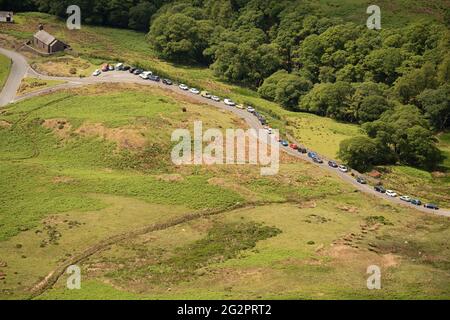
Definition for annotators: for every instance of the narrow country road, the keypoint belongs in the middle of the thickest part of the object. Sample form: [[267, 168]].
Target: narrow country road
[[21, 68]]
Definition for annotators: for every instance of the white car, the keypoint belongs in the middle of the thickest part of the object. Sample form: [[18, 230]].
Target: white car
[[144, 75], [269, 130], [96, 73], [194, 91], [343, 168], [183, 87], [405, 198], [215, 98], [119, 66], [250, 109], [391, 193], [229, 102]]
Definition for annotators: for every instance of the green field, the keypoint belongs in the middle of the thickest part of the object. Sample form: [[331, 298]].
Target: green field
[[300, 234], [5, 66], [310, 254]]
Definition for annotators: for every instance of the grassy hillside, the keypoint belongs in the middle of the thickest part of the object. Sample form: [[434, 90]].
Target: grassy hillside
[[320, 252], [98, 44], [5, 66], [96, 152], [84, 165]]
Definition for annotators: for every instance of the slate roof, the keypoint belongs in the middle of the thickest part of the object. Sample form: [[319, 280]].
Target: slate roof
[[44, 37]]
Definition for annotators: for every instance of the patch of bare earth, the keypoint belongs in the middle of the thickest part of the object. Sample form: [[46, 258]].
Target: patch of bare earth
[[5, 124], [126, 138], [61, 127], [343, 254], [349, 209], [62, 180], [170, 177], [308, 205]]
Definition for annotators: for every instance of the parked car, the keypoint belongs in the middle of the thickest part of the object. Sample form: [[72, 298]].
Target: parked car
[[317, 160], [167, 81], [405, 198], [132, 69], [361, 180], [416, 202], [215, 98], [194, 91], [294, 146], [332, 164], [229, 102], [391, 193], [154, 78], [119, 66], [206, 94], [105, 67], [312, 154], [284, 143], [431, 206], [126, 68], [96, 73], [110, 67], [342, 168], [302, 150], [183, 87], [379, 189], [138, 71], [251, 109], [145, 75], [240, 106]]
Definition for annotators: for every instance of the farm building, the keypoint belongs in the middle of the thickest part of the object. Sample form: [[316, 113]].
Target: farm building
[[6, 16], [45, 42]]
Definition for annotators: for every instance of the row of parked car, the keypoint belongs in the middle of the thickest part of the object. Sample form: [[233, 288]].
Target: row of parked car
[[146, 75], [230, 103], [406, 198], [314, 157]]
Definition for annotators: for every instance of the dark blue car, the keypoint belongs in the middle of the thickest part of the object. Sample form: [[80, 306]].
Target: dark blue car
[[431, 206], [284, 143], [416, 202], [332, 164]]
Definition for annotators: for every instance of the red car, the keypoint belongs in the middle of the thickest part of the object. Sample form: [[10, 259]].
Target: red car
[[294, 146], [105, 67]]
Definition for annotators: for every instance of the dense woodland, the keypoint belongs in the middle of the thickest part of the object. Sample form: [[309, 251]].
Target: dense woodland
[[394, 82]]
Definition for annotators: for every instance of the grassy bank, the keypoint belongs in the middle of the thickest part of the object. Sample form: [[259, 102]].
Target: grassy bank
[[5, 67]]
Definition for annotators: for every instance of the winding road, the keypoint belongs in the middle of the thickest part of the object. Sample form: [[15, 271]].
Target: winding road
[[20, 69]]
